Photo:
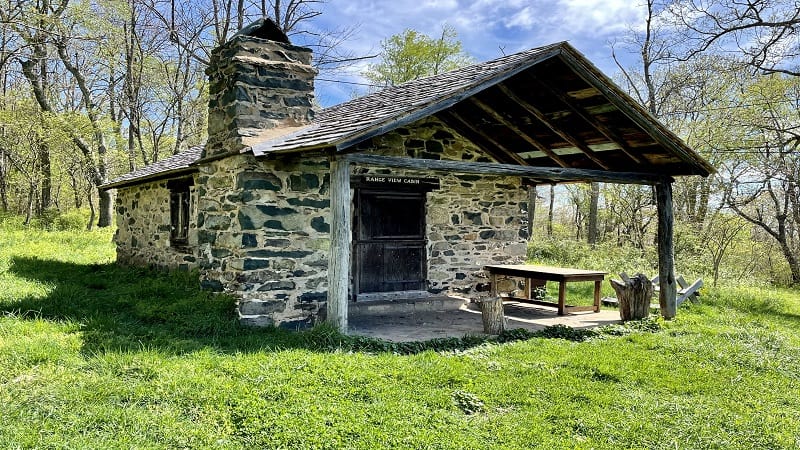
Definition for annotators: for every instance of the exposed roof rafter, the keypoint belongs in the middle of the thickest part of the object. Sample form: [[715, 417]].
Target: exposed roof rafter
[[513, 127], [589, 118], [539, 115]]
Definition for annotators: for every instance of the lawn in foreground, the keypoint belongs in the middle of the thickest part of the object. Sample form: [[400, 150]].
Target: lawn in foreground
[[97, 356]]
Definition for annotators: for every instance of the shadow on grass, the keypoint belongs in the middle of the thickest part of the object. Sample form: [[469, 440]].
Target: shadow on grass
[[126, 308], [130, 309]]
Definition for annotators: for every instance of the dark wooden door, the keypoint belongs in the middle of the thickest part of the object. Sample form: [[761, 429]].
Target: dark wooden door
[[390, 241]]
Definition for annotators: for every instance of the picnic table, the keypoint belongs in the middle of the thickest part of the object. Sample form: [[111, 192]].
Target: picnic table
[[538, 275]]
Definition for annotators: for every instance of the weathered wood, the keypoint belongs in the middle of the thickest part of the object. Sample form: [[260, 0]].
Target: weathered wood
[[540, 116], [634, 111], [530, 140], [531, 210], [505, 153], [451, 99], [494, 319], [634, 297], [588, 117], [339, 259], [667, 295], [547, 173], [690, 292]]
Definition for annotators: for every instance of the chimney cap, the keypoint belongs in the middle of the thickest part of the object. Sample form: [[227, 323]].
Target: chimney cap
[[264, 28]]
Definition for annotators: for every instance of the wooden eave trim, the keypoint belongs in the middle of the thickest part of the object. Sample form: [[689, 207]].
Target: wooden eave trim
[[554, 174], [445, 102], [634, 111]]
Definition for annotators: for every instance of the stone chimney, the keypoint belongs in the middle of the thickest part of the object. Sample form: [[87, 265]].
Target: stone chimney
[[259, 85]]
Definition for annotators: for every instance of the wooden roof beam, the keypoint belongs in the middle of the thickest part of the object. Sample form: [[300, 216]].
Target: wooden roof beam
[[505, 153], [579, 111], [533, 142], [539, 115], [551, 174]]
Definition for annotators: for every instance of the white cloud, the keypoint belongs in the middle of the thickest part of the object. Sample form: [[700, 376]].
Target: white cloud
[[602, 17]]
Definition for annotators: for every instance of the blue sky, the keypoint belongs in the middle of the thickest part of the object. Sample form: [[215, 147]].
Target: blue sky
[[486, 28]]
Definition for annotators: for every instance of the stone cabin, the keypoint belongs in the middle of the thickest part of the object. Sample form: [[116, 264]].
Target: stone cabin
[[407, 192]]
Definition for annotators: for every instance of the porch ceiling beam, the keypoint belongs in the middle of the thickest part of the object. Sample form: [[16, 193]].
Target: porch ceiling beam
[[539, 115], [504, 152], [579, 111], [551, 174], [533, 142]]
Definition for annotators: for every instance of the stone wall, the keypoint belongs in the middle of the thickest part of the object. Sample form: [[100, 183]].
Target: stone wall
[[472, 220], [264, 236], [143, 228]]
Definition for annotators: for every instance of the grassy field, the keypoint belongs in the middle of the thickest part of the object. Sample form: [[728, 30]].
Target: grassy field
[[97, 356]]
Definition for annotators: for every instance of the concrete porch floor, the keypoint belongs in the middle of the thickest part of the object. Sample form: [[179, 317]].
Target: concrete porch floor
[[441, 317]]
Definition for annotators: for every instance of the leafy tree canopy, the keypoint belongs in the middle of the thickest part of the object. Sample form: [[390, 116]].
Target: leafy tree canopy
[[411, 55]]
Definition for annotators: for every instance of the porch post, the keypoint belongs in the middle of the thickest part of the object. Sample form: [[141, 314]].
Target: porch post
[[667, 297], [531, 210], [339, 258]]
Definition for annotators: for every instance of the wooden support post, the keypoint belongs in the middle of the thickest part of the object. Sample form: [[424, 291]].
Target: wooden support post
[[531, 210], [339, 259], [667, 296]]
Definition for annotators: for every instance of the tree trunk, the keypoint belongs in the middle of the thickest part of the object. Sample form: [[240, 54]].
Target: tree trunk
[[592, 225], [634, 297], [494, 320], [106, 209]]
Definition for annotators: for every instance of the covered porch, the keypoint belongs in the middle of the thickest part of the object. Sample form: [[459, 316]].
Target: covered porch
[[454, 317]]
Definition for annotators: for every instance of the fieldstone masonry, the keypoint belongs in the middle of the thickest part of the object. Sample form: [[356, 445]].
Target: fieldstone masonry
[[255, 86], [143, 228], [261, 227]]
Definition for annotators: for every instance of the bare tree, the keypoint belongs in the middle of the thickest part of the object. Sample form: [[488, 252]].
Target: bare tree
[[762, 32]]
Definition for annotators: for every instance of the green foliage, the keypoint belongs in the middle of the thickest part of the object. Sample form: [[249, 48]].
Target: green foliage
[[411, 55], [93, 355]]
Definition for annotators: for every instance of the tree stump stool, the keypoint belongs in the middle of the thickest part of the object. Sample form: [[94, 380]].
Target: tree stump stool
[[634, 296], [494, 320]]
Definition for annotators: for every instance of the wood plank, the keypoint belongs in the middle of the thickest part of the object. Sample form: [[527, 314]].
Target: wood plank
[[505, 153], [556, 174], [606, 131], [530, 140], [636, 113], [339, 258], [667, 295], [541, 117]]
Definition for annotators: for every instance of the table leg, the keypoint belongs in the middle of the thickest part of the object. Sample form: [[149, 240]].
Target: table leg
[[493, 284], [562, 294], [597, 285], [528, 293]]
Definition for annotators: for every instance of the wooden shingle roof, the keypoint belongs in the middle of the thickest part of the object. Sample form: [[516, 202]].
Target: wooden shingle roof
[[342, 124], [175, 165], [544, 107]]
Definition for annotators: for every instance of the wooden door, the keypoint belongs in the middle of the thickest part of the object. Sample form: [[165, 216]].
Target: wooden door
[[390, 241]]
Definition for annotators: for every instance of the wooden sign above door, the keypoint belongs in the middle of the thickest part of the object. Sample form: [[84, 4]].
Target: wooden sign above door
[[395, 182]]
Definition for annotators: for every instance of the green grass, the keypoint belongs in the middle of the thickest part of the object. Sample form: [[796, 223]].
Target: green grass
[[97, 356]]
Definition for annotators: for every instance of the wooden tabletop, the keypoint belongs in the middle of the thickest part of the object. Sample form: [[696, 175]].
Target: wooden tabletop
[[546, 272]]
